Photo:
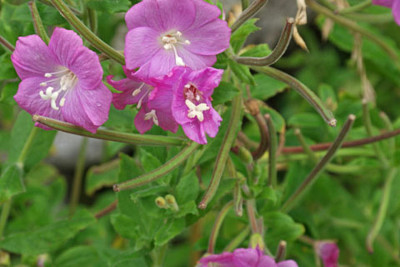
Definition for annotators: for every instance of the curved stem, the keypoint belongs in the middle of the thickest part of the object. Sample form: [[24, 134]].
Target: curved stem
[[107, 209], [86, 33], [253, 8], [263, 146], [223, 153], [272, 149], [235, 242], [134, 139], [160, 171], [78, 175], [382, 211], [6, 44], [37, 22], [217, 225], [288, 205], [278, 51], [352, 26], [303, 90]]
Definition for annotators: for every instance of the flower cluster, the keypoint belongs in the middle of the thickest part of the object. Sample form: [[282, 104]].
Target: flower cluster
[[169, 50]]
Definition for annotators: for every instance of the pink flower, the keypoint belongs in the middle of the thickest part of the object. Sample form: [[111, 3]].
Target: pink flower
[[328, 251], [244, 257], [62, 80], [154, 104], [166, 33], [191, 103], [393, 4]]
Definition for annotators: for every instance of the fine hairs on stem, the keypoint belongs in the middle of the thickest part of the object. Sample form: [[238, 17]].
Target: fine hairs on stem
[[250, 11]]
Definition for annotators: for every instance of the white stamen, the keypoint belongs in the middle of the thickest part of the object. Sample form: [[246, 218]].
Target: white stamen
[[196, 111], [43, 84], [187, 42], [178, 59], [62, 102], [137, 91], [151, 115], [170, 41], [47, 75]]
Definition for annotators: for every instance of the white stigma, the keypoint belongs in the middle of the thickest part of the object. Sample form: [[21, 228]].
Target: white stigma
[[170, 41], [66, 80], [151, 115], [196, 111], [137, 91]]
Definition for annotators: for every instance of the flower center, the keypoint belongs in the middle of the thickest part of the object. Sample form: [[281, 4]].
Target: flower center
[[65, 78], [151, 116], [193, 100], [170, 41]]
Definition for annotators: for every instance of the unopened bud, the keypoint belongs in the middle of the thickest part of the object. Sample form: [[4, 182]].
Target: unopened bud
[[161, 203], [281, 251], [245, 155], [238, 200], [4, 259], [171, 201], [252, 106], [256, 240]]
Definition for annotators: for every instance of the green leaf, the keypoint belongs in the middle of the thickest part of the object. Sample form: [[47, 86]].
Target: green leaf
[[240, 35], [8, 92], [124, 225], [260, 50], [277, 119], [224, 93], [305, 119], [149, 192], [187, 188], [104, 175], [7, 70], [187, 208], [266, 87], [11, 182], [168, 231], [242, 72], [110, 6], [80, 256], [48, 238]]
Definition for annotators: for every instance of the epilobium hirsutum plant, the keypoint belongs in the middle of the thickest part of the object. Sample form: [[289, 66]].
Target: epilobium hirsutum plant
[[207, 159]]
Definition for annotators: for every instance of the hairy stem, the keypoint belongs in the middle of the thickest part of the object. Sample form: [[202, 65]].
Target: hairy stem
[[107, 209], [272, 149], [217, 225], [6, 44], [37, 22], [293, 199], [250, 11]]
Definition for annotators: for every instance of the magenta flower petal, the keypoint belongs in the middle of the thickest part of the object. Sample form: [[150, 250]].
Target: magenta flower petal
[[32, 57], [212, 123], [386, 3], [328, 251], [172, 22], [141, 123], [141, 45], [247, 257], [287, 263], [87, 108], [396, 11], [68, 87], [224, 259], [209, 39]]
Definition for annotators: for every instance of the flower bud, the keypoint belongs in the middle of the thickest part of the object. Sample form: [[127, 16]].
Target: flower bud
[[252, 106], [161, 203], [256, 240], [171, 202]]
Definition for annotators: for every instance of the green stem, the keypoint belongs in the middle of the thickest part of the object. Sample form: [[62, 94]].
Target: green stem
[[6, 44], [158, 255], [134, 139], [92, 20], [223, 153], [76, 11], [250, 11], [5, 211], [235, 242], [305, 147], [78, 175], [272, 149], [86, 33], [294, 199], [278, 51], [368, 127], [382, 211], [160, 171], [303, 90], [217, 225], [263, 146], [389, 126], [27, 146], [356, 8], [37, 22], [371, 18], [251, 214], [352, 26]]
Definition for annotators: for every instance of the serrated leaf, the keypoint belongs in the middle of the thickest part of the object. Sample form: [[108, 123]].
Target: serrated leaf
[[266, 87], [48, 238], [261, 50], [168, 231], [187, 208], [223, 93], [151, 191], [187, 188], [104, 175], [242, 72], [11, 182], [240, 35]]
